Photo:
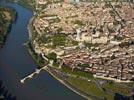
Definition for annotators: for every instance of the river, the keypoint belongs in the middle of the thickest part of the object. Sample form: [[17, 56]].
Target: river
[[16, 63]]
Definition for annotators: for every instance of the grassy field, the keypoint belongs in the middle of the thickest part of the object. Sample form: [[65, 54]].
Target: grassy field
[[105, 91], [89, 88], [118, 88]]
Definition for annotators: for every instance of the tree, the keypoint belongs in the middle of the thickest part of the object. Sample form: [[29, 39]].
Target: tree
[[59, 40], [52, 56]]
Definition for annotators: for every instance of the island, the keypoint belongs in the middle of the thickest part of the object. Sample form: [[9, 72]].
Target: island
[[87, 45], [7, 16]]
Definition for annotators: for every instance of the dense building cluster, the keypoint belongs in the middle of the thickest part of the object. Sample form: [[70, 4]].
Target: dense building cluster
[[99, 36]]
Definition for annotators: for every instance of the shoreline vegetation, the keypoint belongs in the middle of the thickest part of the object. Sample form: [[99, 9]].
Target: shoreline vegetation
[[26, 4], [37, 58], [7, 17]]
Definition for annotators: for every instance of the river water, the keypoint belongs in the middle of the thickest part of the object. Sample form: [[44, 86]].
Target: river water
[[16, 63]]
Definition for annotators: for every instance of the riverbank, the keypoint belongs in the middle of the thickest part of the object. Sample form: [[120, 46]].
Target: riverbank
[[65, 83], [26, 4], [37, 58], [7, 16]]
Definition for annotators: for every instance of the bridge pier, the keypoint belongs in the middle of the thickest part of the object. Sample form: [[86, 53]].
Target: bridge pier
[[37, 71]]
